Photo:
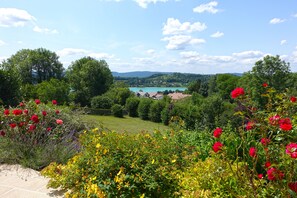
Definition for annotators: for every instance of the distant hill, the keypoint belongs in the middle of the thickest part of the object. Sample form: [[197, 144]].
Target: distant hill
[[139, 74]]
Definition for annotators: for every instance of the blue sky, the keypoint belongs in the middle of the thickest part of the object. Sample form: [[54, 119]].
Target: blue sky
[[191, 36]]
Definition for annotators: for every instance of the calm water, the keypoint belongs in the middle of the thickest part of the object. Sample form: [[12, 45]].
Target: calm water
[[156, 89]]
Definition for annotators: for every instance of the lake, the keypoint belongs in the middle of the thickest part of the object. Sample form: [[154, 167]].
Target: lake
[[156, 89]]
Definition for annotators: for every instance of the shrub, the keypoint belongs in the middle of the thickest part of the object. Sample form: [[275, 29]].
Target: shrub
[[144, 108], [34, 134], [117, 110], [123, 165], [131, 106], [101, 102], [155, 111]]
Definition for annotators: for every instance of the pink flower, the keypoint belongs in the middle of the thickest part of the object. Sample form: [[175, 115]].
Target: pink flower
[[291, 149], [260, 176], [237, 92], [217, 132], [2, 133], [26, 111], [267, 164], [6, 112], [21, 104], [32, 127], [285, 124], [54, 102], [275, 174], [293, 186], [57, 111], [274, 120], [253, 152], [250, 126], [265, 84], [293, 99], [12, 125], [17, 112], [217, 147], [44, 113], [59, 122], [34, 118], [265, 141], [37, 101]]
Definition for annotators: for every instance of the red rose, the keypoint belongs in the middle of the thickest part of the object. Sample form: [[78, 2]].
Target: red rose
[[274, 174], [285, 124], [32, 127], [293, 99], [57, 111], [21, 124], [48, 128], [250, 126], [44, 113], [217, 132], [34, 118], [17, 112], [291, 149], [274, 120], [12, 125], [2, 133], [253, 152], [265, 141], [54, 102], [21, 104], [293, 186], [217, 146], [60, 122], [267, 164], [260, 176], [237, 92], [265, 84], [26, 111], [37, 101], [6, 112]]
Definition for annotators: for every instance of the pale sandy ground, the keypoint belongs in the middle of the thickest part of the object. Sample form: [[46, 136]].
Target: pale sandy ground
[[18, 182]]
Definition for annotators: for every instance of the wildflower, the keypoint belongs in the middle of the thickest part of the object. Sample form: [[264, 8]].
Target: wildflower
[[37, 101], [54, 102], [21, 104], [2, 133], [275, 174], [291, 149], [285, 124], [59, 121], [17, 112], [6, 112], [21, 124], [57, 111], [250, 126], [26, 111], [267, 164], [265, 141], [260, 176], [265, 84], [293, 99], [217, 132], [253, 152], [217, 147], [48, 128], [35, 118], [44, 113], [274, 120], [237, 92], [32, 127], [12, 125], [293, 186]]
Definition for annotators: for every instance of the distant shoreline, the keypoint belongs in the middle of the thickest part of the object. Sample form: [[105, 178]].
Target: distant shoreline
[[156, 89]]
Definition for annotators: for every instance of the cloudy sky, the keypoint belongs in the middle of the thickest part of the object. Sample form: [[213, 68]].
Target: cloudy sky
[[193, 36]]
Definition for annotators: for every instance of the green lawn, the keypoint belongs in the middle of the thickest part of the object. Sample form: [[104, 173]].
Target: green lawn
[[126, 124]]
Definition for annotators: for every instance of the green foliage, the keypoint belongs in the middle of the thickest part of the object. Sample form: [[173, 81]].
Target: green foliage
[[9, 88], [144, 108], [88, 77], [123, 165], [132, 106], [101, 102], [34, 135], [53, 89], [28, 91], [119, 94], [194, 86], [35, 66], [155, 110], [117, 110]]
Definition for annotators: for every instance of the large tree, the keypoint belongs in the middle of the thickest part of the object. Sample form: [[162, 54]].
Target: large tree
[[88, 77], [9, 88], [35, 66]]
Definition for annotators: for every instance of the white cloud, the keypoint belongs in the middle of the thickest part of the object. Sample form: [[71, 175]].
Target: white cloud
[[209, 7], [151, 51], [101, 55], [249, 54], [295, 15], [283, 42], [2, 58], [217, 34], [276, 21], [45, 30], [144, 3], [174, 26], [72, 52], [12, 17], [179, 42], [2, 43]]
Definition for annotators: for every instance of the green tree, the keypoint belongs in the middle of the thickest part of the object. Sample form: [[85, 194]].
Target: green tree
[[35, 66], [225, 84], [88, 77], [194, 86], [101, 102], [9, 88], [144, 108], [117, 110], [155, 110], [132, 106]]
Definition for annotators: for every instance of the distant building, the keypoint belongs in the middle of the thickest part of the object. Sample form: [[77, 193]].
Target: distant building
[[153, 95], [178, 96]]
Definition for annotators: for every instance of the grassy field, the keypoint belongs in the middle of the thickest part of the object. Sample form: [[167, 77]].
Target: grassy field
[[126, 124]]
